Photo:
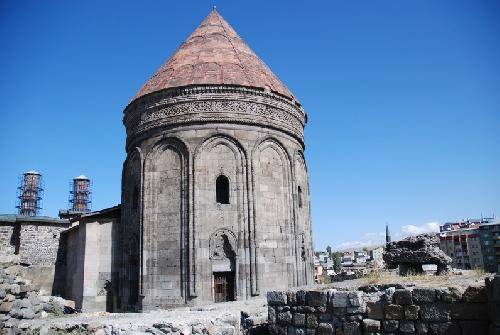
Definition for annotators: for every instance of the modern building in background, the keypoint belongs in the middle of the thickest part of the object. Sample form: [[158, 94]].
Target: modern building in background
[[472, 243]]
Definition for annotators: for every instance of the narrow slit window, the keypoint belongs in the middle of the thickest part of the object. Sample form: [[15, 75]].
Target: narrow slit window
[[299, 194], [222, 189]]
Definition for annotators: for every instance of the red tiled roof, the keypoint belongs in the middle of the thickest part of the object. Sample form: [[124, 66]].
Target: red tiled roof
[[214, 54]]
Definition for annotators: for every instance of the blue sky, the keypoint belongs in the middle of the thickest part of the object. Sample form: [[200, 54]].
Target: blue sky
[[403, 100]]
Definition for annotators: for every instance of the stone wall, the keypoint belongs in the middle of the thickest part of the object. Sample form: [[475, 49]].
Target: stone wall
[[37, 243], [386, 310]]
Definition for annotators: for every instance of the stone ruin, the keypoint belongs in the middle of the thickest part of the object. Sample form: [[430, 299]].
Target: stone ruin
[[412, 252]]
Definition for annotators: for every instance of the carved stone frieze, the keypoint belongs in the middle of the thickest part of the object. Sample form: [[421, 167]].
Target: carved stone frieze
[[209, 104]]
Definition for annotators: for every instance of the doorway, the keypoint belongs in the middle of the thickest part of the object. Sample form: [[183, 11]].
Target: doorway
[[223, 286]]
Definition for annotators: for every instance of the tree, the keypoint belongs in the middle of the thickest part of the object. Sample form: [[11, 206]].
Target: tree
[[337, 261], [329, 251]]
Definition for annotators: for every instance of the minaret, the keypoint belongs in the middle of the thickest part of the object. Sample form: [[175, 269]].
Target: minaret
[[387, 235]]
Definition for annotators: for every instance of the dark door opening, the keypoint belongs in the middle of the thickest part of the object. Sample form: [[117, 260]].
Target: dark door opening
[[223, 286]]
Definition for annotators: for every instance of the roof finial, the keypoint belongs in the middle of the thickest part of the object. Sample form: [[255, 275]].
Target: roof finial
[[214, 7]]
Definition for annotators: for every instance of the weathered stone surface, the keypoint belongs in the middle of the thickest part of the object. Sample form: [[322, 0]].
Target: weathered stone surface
[[339, 299], [422, 295], [469, 311], [435, 312], [389, 294], [291, 298], [5, 307], [351, 328], [474, 327], [370, 325], [299, 319], [414, 251], [277, 298], [449, 294], [311, 321], [316, 298], [284, 318], [475, 294], [448, 328], [411, 312], [421, 328], [394, 312], [271, 314], [324, 329], [406, 326], [391, 325], [375, 310], [402, 297]]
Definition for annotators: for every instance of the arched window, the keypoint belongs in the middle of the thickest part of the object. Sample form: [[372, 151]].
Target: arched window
[[222, 189], [299, 195]]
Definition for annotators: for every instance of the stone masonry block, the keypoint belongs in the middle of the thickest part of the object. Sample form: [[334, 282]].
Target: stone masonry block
[[449, 294], [469, 311], [394, 312], [423, 295], [371, 326], [351, 328], [276, 298], [402, 297], [316, 298], [407, 327], [391, 325], [339, 299], [411, 312], [284, 318], [311, 321], [324, 329], [435, 312], [474, 327], [299, 319], [475, 294], [375, 310]]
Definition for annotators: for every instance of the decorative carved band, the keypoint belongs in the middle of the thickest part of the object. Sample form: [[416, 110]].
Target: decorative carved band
[[207, 104]]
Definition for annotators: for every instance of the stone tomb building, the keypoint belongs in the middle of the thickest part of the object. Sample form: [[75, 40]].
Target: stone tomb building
[[215, 189]]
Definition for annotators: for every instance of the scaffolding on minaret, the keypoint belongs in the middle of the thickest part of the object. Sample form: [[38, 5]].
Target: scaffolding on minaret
[[80, 195], [30, 193]]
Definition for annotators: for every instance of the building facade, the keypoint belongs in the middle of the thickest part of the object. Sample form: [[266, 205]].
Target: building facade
[[215, 188]]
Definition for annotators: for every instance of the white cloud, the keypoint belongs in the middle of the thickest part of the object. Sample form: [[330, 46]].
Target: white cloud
[[409, 230], [373, 239]]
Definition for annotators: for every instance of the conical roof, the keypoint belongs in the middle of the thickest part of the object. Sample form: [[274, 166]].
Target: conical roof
[[214, 54]]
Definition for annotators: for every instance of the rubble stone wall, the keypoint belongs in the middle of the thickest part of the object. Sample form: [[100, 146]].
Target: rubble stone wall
[[39, 249], [386, 310]]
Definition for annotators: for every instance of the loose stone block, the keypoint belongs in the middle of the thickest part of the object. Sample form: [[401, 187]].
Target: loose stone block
[[391, 325], [375, 310], [394, 312], [406, 326], [277, 298], [370, 325], [324, 329], [311, 321], [301, 297], [6, 307], [316, 298], [435, 312], [402, 297], [299, 319], [423, 295], [411, 312], [291, 298], [271, 314]]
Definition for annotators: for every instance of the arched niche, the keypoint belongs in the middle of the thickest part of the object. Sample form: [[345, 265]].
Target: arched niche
[[165, 222], [216, 156], [274, 229]]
